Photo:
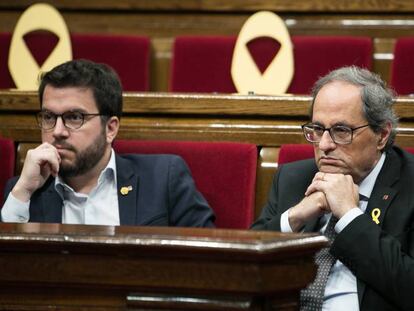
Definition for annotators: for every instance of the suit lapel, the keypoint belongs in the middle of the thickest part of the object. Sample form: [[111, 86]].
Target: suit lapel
[[127, 189], [313, 225], [52, 204], [384, 192]]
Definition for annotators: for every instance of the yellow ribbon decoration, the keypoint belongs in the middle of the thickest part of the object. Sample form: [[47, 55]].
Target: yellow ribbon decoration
[[22, 65], [375, 214], [278, 75]]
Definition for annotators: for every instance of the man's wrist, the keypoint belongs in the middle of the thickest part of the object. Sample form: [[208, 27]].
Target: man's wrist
[[295, 220], [21, 194], [346, 219]]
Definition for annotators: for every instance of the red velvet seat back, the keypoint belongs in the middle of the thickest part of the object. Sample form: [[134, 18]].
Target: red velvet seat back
[[295, 152], [128, 55], [225, 173], [402, 69], [7, 160], [203, 64]]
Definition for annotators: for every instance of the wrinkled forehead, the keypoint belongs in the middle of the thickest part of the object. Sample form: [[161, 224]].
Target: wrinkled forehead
[[338, 102]]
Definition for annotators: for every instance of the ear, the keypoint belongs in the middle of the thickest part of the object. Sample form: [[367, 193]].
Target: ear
[[112, 126], [383, 136]]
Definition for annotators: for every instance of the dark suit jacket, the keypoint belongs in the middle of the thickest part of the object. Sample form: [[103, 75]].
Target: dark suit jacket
[[380, 256], [163, 194]]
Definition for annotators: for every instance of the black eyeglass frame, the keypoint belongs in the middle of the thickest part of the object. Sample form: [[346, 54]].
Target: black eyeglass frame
[[62, 115], [351, 129]]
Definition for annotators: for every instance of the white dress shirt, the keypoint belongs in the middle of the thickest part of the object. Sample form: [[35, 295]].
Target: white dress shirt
[[341, 288], [99, 207]]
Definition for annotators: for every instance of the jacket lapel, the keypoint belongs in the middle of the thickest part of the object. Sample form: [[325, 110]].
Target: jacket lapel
[[313, 225], [52, 204], [127, 189], [384, 192]]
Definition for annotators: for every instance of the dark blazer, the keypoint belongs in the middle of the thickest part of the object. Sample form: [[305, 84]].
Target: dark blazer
[[381, 256], [163, 194]]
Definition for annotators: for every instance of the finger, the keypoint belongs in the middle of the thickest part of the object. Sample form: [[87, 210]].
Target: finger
[[319, 176], [314, 186], [50, 147], [49, 161]]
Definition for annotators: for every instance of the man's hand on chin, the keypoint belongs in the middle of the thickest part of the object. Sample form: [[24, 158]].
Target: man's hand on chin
[[341, 193]]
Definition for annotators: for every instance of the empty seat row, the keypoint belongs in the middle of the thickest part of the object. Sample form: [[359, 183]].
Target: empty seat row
[[128, 55], [203, 63]]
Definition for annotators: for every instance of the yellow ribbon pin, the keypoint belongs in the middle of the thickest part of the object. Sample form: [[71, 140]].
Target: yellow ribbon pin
[[125, 190], [375, 214]]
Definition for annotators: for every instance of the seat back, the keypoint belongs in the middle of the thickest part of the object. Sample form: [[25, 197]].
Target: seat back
[[225, 173], [203, 64], [295, 152], [7, 160], [402, 68], [128, 55]]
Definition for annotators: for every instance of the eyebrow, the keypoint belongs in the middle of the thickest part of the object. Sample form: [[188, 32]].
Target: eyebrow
[[340, 123], [71, 110]]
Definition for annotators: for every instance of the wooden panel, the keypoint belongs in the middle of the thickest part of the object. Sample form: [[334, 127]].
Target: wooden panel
[[267, 166], [75, 267]]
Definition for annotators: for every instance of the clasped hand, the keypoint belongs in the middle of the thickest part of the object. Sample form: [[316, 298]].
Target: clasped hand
[[334, 193]]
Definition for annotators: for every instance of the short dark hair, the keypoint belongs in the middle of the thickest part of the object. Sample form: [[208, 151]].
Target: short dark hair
[[100, 78], [377, 99]]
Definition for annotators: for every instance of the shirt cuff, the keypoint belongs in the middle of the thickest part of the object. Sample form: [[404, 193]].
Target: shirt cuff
[[284, 222], [15, 210], [347, 218]]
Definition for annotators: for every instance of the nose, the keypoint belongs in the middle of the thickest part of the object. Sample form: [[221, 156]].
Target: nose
[[326, 143], [60, 129]]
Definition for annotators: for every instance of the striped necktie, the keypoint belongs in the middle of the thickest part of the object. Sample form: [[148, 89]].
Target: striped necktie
[[311, 298]]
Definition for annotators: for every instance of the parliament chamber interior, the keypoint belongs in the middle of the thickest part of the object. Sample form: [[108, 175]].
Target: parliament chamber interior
[[174, 59]]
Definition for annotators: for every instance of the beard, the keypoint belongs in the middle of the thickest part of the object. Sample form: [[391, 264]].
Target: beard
[[84, 160]]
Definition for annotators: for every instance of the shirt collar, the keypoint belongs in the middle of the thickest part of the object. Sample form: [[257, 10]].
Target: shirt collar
[[109, 172], [367, 184]]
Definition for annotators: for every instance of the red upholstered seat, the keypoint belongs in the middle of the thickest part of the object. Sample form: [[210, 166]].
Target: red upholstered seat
[[128, 55], [409, 149], [7, 160], [295, 152], [203, 64], [402, 69], [225, 173]]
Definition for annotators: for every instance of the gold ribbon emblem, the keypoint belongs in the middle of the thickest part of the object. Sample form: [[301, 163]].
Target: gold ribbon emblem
[[375, 214], [125, 190]]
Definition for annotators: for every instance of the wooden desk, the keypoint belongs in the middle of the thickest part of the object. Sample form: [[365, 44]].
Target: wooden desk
[[267, 121], [74, 267]]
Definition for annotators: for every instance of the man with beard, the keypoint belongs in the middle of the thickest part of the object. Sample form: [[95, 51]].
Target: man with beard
[[75, 177], [357, 191]]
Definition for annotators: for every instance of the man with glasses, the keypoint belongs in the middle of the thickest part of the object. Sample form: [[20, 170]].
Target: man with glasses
[[75, 177], [357, 191]]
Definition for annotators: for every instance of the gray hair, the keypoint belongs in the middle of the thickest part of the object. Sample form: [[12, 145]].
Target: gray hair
[[376, 97]]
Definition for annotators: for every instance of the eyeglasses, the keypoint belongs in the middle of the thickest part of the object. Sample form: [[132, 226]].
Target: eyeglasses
[[340, 134], [71, 119]]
